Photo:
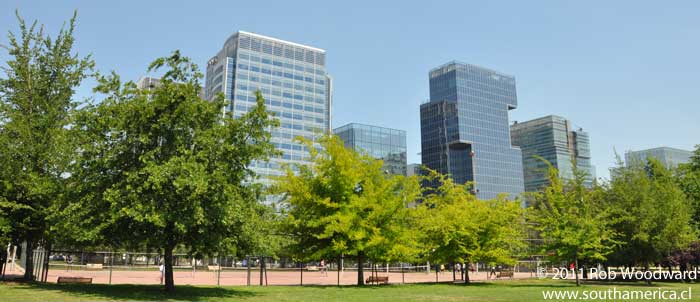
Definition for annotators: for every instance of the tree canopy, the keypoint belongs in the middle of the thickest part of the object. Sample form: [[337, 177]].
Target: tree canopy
[[571, 220], [454, 227], [36, 102], [164, 168], [345, 204]]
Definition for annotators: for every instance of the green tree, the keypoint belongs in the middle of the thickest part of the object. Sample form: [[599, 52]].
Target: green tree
[[571, 220], [653, 217], [36, 102], [454, 227], [343, 203], [163, 168], [688, 179]]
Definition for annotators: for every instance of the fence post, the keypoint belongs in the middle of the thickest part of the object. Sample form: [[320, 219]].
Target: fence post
[[437, 268], [340, 263], [248, 264], [301, 273], [218, 275], [403, 277], [111, 264]]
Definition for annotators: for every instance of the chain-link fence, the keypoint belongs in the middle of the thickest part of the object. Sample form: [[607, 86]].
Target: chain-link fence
[[146, 268]]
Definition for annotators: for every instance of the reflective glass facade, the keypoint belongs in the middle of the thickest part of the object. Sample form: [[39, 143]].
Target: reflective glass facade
[[386, 144], [293, 80], [465, 130], [668, 156], [551, 138]]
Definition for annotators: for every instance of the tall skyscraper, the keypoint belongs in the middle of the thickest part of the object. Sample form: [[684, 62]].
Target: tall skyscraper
[[386, 144], [293, 79], [670, 157], [552, 138], [465, 130]]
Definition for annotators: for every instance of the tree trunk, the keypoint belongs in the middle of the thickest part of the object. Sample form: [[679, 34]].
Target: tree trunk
[[466, 276], [169, 282], [646, 268], [578, 282], [29, 265], [262, 269], [360, 269]]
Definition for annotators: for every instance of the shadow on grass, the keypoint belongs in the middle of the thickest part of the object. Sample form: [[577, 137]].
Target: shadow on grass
[[140, 292]]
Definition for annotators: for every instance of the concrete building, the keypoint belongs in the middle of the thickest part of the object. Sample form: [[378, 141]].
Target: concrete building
[[413, 169]]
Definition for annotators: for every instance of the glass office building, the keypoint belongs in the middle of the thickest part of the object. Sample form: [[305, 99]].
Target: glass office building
[[465, 130], [670, 157], [293, 80], [552, 138], [386, 144]]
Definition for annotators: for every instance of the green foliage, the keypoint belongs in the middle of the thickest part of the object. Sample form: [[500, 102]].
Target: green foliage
[[35, 110], [571, 220], [652, 215], [344, 204], [163, 168], [453, 226], [688, 179]]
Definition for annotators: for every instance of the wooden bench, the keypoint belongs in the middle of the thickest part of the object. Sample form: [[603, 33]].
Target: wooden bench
[[93, 266], [213, 267], [378, 279], [504, 274], [81, 280]]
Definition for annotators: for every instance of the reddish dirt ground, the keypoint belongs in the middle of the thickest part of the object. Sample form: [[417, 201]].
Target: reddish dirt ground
[[274, 277]]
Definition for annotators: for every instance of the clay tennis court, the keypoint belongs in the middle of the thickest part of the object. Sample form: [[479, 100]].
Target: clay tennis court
[[274, 277]]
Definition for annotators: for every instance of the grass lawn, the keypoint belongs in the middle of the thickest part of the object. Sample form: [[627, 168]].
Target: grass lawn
[[530, 290]]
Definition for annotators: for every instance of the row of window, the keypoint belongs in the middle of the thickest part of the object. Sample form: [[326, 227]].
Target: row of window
[[301, 95], [276, 103], [297, 76], [242, 56], [281, 49], [285, 114]]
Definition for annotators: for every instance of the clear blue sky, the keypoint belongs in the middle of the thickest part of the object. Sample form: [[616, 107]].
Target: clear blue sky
[[628, 72]]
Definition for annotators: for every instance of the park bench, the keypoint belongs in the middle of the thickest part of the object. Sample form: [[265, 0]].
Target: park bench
[[93, 266], [81, 280], [312, 268], [378, 279], [504, 274], [213, 267]]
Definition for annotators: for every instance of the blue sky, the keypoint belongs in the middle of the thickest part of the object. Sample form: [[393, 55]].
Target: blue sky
[[628, 72]]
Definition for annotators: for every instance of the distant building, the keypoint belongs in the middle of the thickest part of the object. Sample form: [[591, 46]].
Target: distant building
[[293, 80], [413, 169], [147, 83], [552, 138], [465, 131], [386, 144], [670, 157]]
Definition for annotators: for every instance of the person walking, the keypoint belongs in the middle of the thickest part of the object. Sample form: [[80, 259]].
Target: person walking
[[322, 268]]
